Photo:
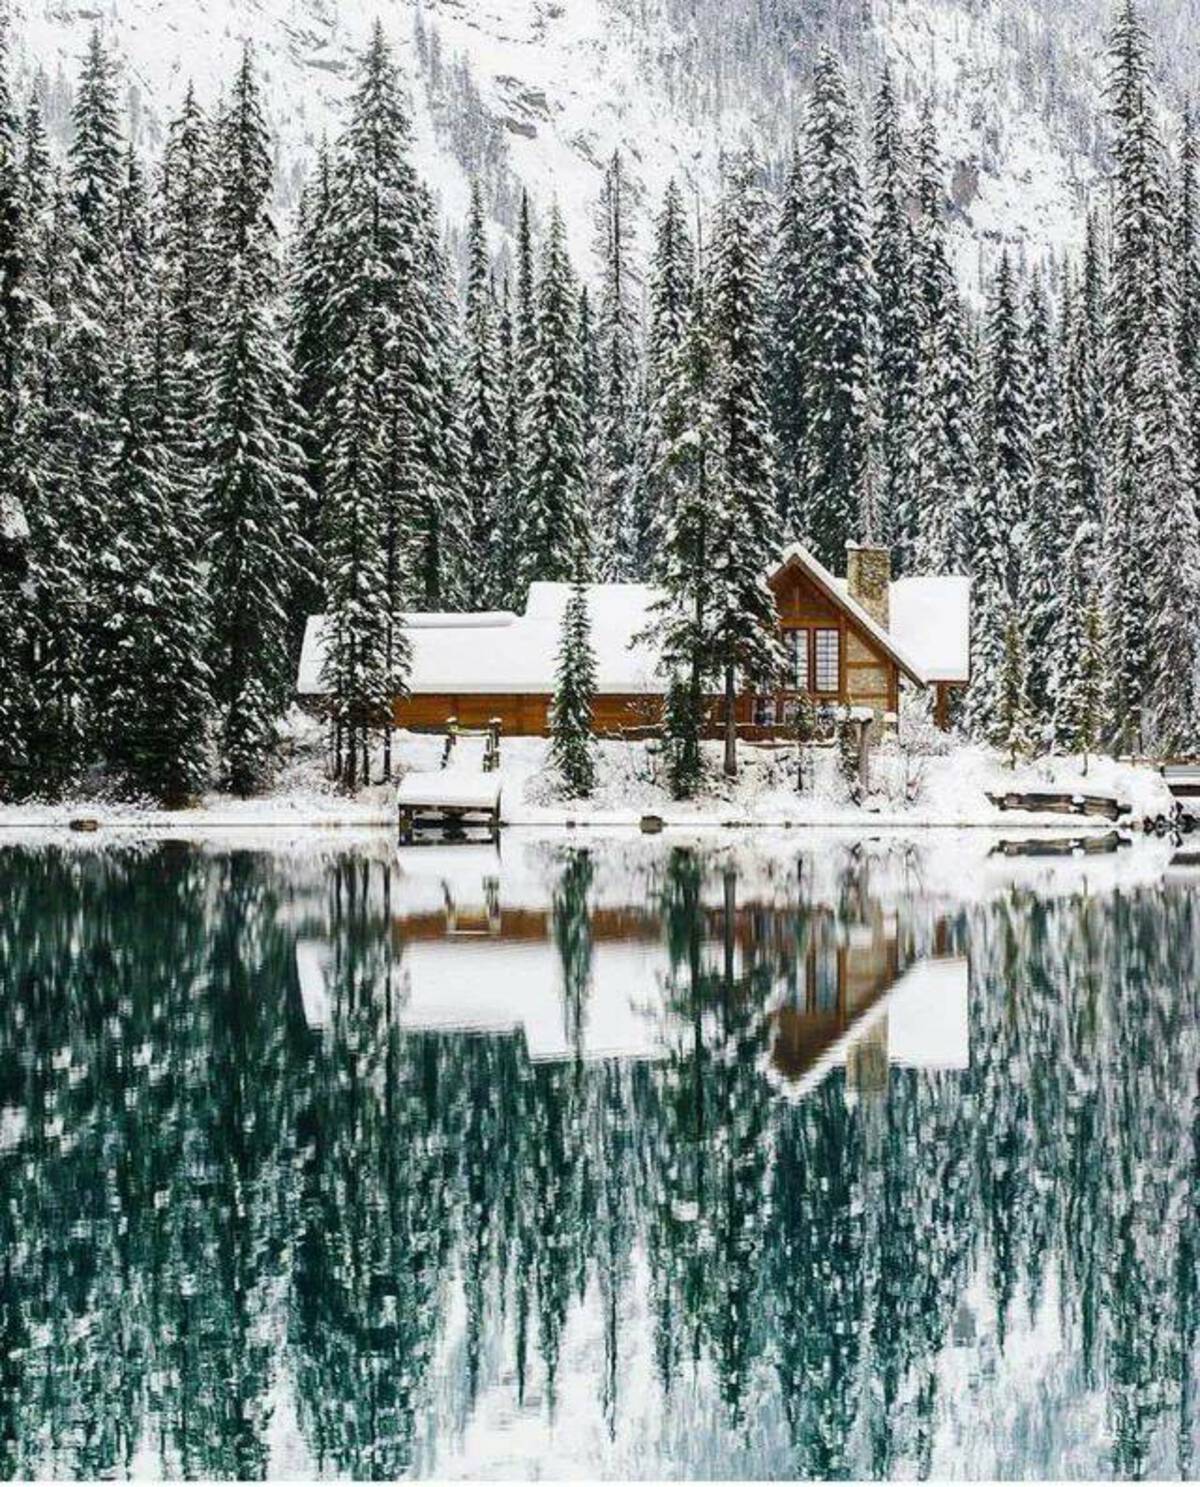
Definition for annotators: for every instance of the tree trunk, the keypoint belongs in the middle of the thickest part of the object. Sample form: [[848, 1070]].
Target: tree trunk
[[730, 725]]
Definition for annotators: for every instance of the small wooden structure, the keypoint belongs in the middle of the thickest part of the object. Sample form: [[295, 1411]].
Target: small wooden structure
[[490, 735], [448, 803], [1183, 780], [1102, 807], [1057, 846]]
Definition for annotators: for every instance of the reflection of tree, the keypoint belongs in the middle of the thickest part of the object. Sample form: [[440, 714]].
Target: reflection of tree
[[376, 1201], [573, 937], [201, 1198]]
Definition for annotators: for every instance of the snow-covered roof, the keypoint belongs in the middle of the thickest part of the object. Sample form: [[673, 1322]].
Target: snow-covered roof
[[498, 651], [503, 652], [837, 590], [930, 618]]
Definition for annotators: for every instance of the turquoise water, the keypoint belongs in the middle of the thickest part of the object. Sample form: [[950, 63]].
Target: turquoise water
[[806, 1158]]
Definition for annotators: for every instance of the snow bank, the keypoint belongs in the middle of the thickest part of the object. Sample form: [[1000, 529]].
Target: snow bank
[[911, 787]]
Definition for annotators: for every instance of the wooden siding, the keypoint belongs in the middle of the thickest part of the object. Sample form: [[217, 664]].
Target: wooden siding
[[866, 678]]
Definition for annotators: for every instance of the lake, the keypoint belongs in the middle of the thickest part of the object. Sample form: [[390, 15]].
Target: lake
[[793, 1155]]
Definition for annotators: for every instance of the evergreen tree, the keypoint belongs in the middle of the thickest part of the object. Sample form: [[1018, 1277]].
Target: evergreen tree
[[571, 745], [152, 683], [1079, 703], [1006, 449], [1047, 537], [685, 471], [745, 646], [1136, 312], [898, 311], [616, 357], [839, 312], [553, 517], [366, 650], [672, 275], [254, 487], [482, 414], [930, 528], [313, 348], [507, 541], [1012, 728], [589, 395], [789, 329]]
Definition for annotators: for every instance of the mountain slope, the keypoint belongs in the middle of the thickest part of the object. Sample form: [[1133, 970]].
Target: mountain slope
[[540, 92]]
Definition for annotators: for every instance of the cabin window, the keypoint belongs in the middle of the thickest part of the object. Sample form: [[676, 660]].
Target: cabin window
[[799, 644], [828, 655]]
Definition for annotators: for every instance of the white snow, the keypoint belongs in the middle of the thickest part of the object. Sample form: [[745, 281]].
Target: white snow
[[930, 618], [476, 654], [450, 787]]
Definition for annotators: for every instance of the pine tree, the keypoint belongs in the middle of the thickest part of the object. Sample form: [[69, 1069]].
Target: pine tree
[[1173, 536], [589, 396], [254, 486], [16, 487], [899, 323], [1006, 449], [366, 650], [839, 310], [672, 275], [616, 356], [482, 414], [1047, 537], [553, 519], [790, 362], [685, 471], [571, 745], [1136, 312], [1079, 662], [745, 646], [507, 543], [930, 529], [313, 348], [1013, 724], [152, 681]]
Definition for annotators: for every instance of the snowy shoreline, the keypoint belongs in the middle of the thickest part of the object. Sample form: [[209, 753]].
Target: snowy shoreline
[[925, 792]]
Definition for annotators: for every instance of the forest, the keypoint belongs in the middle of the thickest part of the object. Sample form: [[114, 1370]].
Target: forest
[[213, 424]]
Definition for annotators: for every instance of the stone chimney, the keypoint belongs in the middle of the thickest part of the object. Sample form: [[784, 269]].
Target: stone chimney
[[868, 577]]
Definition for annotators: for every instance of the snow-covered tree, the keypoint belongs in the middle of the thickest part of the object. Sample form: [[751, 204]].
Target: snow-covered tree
[[839, 318], [366, 651], [253, 494], [789, 339], [553, 518], [744, 541], [1013, 725], [1046, 536], [617, 368], [899, 322], [152, 683], [672, 277], [572, 749], [482, 414]]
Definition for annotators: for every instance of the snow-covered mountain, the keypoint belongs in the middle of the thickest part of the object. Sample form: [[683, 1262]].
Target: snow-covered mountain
[[540, 92]]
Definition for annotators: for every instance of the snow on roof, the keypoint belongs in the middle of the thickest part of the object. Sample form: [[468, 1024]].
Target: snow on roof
[[498, 651], [930, 618], [838, 591], [517, 653], [927, 1021]]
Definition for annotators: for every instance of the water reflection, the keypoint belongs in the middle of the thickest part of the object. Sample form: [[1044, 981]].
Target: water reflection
[[815, 1159]]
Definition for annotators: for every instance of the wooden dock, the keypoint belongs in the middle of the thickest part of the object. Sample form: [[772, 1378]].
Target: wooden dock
[[1182, 780], [450, 804], [1100, 807]]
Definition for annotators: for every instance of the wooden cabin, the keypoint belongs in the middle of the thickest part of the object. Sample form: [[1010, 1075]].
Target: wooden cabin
[[852, 640]]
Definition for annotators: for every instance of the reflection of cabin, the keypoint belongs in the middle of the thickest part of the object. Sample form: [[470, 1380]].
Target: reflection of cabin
[[847, 640], [830, 981]]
